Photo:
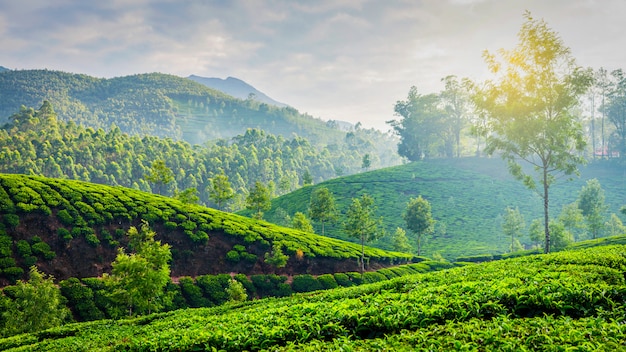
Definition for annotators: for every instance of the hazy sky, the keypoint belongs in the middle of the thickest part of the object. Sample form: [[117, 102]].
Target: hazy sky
[[334, 59]]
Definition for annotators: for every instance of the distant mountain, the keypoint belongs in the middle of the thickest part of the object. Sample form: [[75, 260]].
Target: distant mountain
[[236, 88], [2, 69]]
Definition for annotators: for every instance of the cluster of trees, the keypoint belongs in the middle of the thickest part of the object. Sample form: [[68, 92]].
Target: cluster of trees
[[586, 218], [361, 223], [526, 114], [36, 142]]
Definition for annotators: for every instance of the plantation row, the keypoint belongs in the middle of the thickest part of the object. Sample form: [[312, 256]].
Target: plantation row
[[542, 302], [99, 216], [90, 299]]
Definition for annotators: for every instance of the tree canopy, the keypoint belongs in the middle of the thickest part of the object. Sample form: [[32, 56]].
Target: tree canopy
[[528, 107]]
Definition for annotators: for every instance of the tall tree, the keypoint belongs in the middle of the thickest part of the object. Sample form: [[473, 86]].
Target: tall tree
[[419, 126], [529, 109], [400, 242], [259, 200], [616, 109], [419, 220], [360, 222], [138, 279], [322, 206], [591, 204], [512, 226], [220, 190], [160, 175], [454, 99]]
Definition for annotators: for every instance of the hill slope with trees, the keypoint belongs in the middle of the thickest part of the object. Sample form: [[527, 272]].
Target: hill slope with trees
[[174, 107], [73, 229], [469, 197]]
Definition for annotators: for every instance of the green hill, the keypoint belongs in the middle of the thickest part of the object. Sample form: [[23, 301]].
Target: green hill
[[73, 229], [468, 197], [174, 107], [562, 301]]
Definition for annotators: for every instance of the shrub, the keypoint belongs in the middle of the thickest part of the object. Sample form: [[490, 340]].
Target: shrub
[[13, 273], [236, 292], [92, 239], [23, 248], [11, 220], [65, 218], [305, 283], [43, 249], [6, 244], [371, 277], [64, 234], [80, 300], [343, 280], [355, 277], [269, 285], [188, 225], [192, 293], [199, 237], [327, 281], [247, 284], [30, 260], [170, 225], [233, 256], [7, 262]]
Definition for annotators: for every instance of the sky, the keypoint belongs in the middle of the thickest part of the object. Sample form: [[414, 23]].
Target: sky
[[348, 60]]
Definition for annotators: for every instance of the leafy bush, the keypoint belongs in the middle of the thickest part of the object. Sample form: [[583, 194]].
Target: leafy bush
[[65, 218], [64, 234], [80, 300], [199, 237], [13, 273], [23, 248], [233, 256], [343, 280], [192, 293], [327, 281], [6, 244], [305, 283], [170, 225], [214, 287], [43, 249], [371, 277], [11, 220], [247, 284], [270, 285], [6, 262]]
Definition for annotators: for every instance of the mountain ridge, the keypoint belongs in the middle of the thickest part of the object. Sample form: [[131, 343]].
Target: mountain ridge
[[237, 88]]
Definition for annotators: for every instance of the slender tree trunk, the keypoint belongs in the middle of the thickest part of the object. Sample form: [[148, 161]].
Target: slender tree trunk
[[362, 255], [419, 244], [546, 216]]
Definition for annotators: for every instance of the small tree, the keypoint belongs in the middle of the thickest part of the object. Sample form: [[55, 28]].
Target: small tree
[[138, 280], [615, 226], [512, 226], [535, 232], [572, 218], [591, 203], [160, 175], [236, 292], [419, 219], [259, 200], [300, 222], [322, 206], [366, 162], [400, 242], [220, 190], [188, 196], [36, 305], [307, 178], [276, 257], [360, 223]]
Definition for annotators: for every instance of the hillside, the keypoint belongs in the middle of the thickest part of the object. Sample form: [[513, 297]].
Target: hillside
[[174, 107], [236, 88], [3, 69], [468, 197], [72, 229], [562, 301]]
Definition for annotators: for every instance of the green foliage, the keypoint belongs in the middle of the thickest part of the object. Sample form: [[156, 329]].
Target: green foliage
[[159, 175], [522, 123], [400, 242], [81, 299], [327, 281], [137, 280], [300, 222], [419, 219], [512, 226], [220, 190], [276, 257], [360, 223], [322, 206], [236, 292], [591, 204], [259, 200], [11, 220], [36, 305], [305, 283], [188, 196]]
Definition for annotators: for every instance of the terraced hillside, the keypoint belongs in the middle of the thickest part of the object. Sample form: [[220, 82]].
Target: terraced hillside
[[73, 229], [468, 197], [562, 301]]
